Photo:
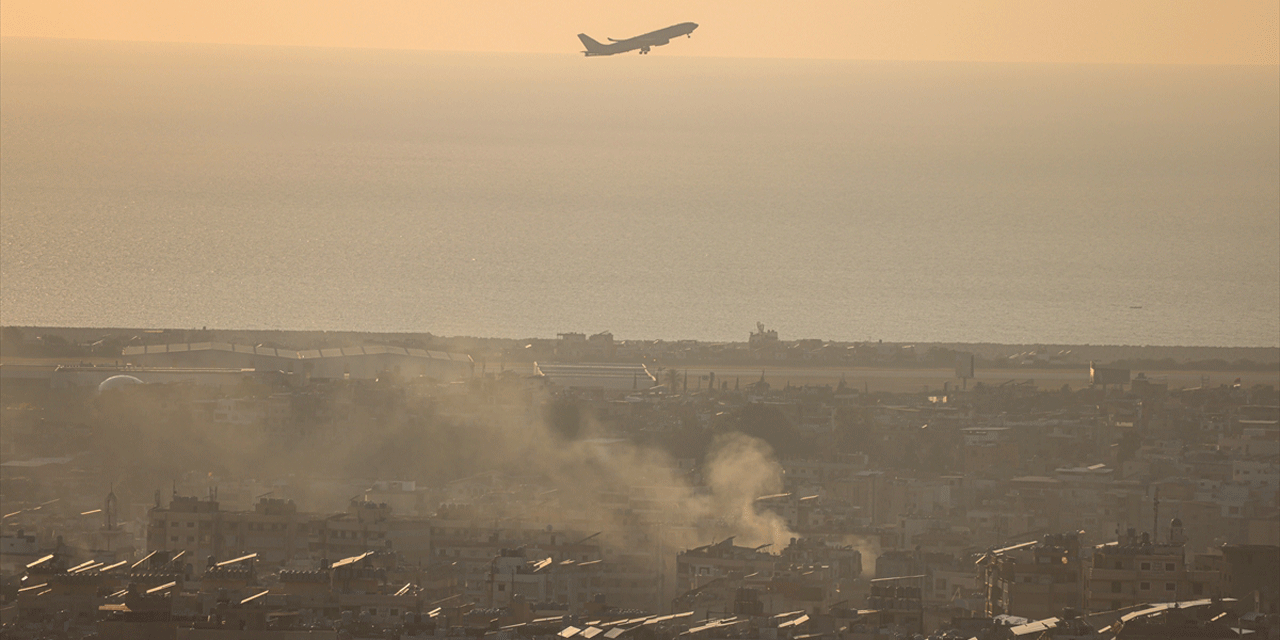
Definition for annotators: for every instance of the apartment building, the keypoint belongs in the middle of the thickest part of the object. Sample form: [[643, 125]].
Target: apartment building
[[1035, 579], [1137, 569], [274, 529]]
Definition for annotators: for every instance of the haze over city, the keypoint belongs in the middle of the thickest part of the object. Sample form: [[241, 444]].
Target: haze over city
[[838, 321]]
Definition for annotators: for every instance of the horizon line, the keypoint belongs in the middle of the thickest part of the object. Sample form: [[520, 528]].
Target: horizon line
[[1041, 343]]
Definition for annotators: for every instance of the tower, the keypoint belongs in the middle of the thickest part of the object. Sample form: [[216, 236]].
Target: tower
[[109, 510], [1155, 516], [1176, 536]]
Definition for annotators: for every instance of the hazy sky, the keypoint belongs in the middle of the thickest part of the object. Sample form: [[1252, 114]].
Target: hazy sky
[[1107, 31]]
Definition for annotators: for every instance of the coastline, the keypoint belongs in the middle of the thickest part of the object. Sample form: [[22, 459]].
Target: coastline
[[494, 350]]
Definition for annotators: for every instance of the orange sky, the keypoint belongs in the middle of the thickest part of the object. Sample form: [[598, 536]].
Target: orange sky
[[1107, 31]]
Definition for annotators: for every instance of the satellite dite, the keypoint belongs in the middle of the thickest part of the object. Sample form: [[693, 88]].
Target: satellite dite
[[643, 43]]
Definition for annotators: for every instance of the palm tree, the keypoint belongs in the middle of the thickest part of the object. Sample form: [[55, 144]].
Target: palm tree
[[672, 378]]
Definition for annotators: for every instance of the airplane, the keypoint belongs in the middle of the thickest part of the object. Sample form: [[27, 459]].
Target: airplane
[[643, 43]]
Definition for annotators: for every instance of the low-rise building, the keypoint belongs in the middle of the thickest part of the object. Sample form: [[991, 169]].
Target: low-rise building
[[371, 526], [274, 529], [1136, 569], [1249, 575], [1035, 579]]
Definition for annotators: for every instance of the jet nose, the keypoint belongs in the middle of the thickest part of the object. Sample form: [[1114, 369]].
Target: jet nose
[[692, 26]]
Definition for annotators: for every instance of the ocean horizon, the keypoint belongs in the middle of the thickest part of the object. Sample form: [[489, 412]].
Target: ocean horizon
[[518, 195]]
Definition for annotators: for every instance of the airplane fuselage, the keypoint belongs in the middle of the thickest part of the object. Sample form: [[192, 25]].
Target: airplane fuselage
[[642, 42]]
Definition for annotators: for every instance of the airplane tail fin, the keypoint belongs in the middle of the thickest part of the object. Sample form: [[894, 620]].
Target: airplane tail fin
[[592, 46]]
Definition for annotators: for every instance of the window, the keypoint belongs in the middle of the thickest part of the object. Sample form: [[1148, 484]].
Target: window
[[1115, 587], [1146, 566], [173, 538], [191, 539], [1169, 586], [1119, 564], [502, 587], [1197, 588], [1168, 566], [1144, 586], [191, 525]]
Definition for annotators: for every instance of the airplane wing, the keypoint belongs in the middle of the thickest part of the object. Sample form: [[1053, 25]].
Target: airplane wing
[[642, 41]]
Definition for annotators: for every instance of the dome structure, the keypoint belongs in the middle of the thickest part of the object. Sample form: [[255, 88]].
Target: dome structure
[[115, 382]]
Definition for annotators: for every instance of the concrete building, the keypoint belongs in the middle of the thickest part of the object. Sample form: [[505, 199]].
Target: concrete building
[[1250, 575], [987, 448], [371, 526], [1136, 569], [1035, 579], [763, 340], [536, 576], [807, 575], [274, 530], [572, 346], [697, 567]]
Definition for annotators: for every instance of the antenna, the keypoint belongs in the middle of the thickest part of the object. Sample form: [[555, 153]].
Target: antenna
[[1155, 516]]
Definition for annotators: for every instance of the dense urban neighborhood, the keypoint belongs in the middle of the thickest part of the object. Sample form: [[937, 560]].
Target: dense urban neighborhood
[[189, 485]]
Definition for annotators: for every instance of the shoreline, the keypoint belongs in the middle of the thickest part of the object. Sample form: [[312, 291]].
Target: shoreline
[[1076, 356]]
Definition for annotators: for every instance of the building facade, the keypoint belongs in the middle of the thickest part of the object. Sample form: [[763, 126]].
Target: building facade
[[1136, 569]]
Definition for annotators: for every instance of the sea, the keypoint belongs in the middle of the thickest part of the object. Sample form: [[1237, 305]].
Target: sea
[[654, 197]]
